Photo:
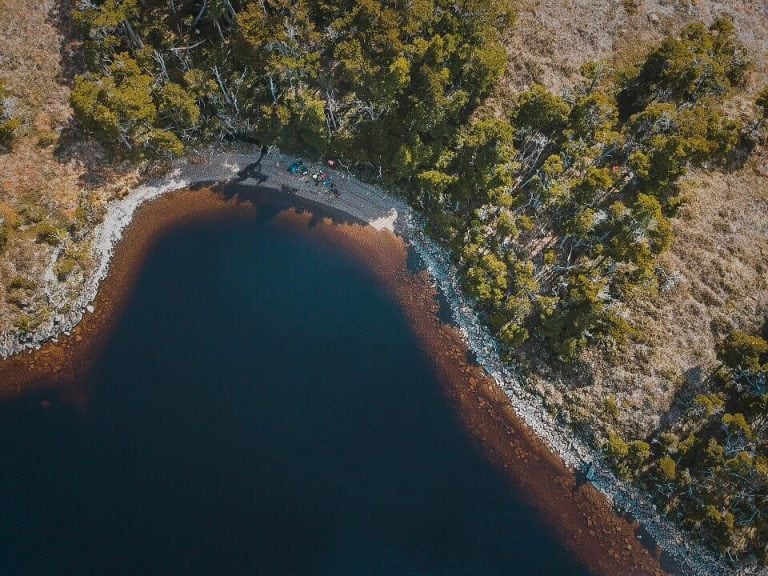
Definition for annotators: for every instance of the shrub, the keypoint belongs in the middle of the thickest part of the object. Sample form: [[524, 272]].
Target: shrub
[[8, 124], [18, 291], [64, 267], [4, 234], [47, 138], [21, 283], [611, 406], [24, 323], [47, 233], [762, 102], [8, 130]]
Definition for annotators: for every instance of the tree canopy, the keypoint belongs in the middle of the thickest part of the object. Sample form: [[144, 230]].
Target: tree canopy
[[557, 209]]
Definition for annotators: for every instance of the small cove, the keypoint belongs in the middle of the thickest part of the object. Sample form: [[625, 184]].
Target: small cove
[[261, 406]]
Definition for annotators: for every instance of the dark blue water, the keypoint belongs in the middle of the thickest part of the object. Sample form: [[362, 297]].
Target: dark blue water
[[261, 408]]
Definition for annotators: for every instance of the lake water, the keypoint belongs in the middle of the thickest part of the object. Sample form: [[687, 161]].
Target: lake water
[[262, 407]]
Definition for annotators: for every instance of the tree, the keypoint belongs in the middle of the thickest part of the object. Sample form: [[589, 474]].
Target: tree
[[667, 469], [697, 64], [594, 117], [482, 162], [178, 107], [581, 317], [740, 349], [628, 457], [487, 280], [721, 475]]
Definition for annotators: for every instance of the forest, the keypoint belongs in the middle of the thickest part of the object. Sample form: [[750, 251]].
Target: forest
[[710, 469], [556, 207]]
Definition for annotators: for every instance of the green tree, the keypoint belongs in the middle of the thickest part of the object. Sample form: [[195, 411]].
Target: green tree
[[594, 117], [667, 469], [541, 111], [483, 160], [487, 280], [178, 107], [740, 349], [118, 106]]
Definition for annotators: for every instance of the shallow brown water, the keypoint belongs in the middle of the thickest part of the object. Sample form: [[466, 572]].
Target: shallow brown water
[[579, 516]]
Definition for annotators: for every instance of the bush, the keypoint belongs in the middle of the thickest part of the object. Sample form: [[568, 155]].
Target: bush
[[19, 290], [762, 102], [611, 406], [64, 267], [8, 124], [4, 234], [21, 283], [8, 130], [24, 323], [47, 233], [47, 138]]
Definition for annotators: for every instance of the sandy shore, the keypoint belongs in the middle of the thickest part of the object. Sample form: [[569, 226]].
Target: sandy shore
[[493, 401]]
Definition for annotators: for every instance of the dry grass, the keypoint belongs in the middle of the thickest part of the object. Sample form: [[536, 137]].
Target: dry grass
[[553, 38], [720, 256], [45, 178], [720, 262]]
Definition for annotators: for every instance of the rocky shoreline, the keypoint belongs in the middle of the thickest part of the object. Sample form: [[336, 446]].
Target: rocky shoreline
[[367, 203]]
